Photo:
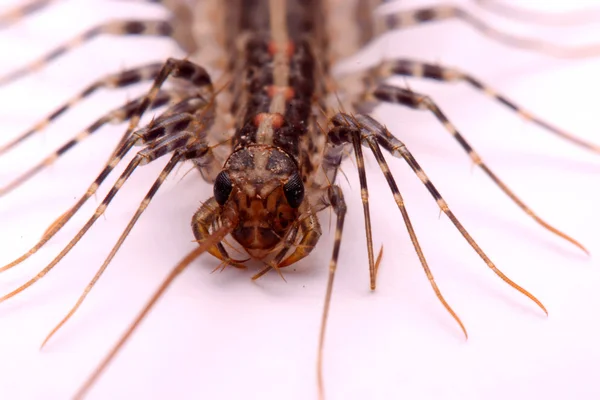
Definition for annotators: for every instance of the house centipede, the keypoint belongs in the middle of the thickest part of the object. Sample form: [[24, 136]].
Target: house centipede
[[343, 122]]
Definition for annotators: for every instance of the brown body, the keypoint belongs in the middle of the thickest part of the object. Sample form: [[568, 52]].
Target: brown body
[[279, 58]]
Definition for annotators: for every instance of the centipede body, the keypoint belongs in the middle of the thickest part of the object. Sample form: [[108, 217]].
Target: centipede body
[[267, 333]]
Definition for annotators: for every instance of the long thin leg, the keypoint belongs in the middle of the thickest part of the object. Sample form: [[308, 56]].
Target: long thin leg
[[162, 177], [169, 124], [149, 154], [200, 86], [112, 81], [441, 73], [64, 218], [17, 13], [120, 28], [346, 133], [217, 236], [116, 116], [186, 70], [194, 148], [396, 95], [182, 69], [336, 199], [332, 160], [373, 134], [364, 195], [194, 110], [197, 151], [408, 18]]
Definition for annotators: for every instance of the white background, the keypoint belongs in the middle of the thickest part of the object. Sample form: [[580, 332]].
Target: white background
[[220, 336]]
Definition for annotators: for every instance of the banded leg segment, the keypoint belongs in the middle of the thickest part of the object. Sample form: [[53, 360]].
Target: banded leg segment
[[112, 81], [116, 116], [372, 135], [197, 150], [180, 116], [179, 268], [337, 138], [185, 70], [201, 87], [344, 132], [185, 114], [183, 136], [159, 28], [335, 198], [183, 140], [396, 95], [409, 18], [436, 72], [64, 218]]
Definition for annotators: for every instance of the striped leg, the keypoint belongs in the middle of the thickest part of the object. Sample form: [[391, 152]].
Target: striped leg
[[418, 69], [180, 69], [171, 125], [396, 95], [349, 133], [116, 116], [332, 160], [335, 198], [112, 81], [179, 268], [183, 143], [195, 150], [373, 135], [120, 28], [409, 18], [64, 218], [185, 70], [179, 117], [17, 13]]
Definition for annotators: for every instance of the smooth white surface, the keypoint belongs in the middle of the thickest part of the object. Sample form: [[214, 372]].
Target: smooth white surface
[[221, 336]]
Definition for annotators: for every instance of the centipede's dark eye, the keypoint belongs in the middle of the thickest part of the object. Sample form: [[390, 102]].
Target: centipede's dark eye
[[222, 188], [294, 191]]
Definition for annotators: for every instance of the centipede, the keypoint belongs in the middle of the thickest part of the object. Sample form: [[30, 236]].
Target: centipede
[[299, 167]]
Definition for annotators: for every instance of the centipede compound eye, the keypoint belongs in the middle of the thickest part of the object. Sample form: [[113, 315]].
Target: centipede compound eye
[[294, 191], [222, 188]]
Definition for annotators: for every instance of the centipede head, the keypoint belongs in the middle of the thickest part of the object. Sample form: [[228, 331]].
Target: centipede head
[[261, 185]]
